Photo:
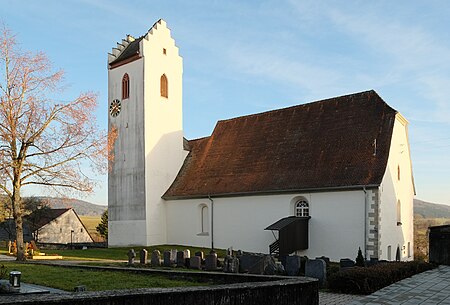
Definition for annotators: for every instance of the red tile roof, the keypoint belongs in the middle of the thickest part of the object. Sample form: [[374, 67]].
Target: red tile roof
[[324, 144]]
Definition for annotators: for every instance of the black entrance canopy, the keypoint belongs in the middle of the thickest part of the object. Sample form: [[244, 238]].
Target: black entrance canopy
[[293, 234]]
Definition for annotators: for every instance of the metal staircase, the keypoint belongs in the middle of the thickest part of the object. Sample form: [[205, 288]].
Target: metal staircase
[[274, 248]]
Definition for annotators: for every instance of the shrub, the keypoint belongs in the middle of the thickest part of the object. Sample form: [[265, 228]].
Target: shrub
[[360, 261], [366, 280]]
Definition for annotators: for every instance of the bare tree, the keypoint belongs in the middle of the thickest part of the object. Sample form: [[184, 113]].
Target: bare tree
[[43, 141]]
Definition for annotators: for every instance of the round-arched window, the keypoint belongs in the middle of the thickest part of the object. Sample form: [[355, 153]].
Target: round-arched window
[[302, 208]]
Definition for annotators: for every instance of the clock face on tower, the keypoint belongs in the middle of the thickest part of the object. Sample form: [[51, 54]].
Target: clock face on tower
[[114, 108]]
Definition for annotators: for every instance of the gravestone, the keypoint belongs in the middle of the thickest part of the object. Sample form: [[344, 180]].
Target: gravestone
[[253, 263], [230, 251], [173, 256], [156, 258], [346, 263], [200, 254], [187, 253], [325, 259], [293, 265], [231, 264], [187, 256], [211, 261], [317, 268], [372, 262], [131, 256], [180, 259], [143, 254], [272, 268], [167, 259], [195, 262]]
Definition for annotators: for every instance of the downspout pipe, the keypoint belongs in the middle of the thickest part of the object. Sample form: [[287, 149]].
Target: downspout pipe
[[212, 221], [365, 221]]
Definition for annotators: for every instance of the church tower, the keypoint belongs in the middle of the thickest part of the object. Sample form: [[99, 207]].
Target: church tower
[[145, 107]]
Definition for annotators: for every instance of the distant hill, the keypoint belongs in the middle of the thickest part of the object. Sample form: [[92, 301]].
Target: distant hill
[[431, 210], [82, 208]]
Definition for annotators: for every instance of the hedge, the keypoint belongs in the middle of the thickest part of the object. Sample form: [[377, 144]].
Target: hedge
[[366, 280]]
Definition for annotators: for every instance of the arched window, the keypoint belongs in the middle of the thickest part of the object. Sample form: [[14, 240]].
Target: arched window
[[204, 219], [125, 86], [164, 86], [302, 208], [389, 253], [399, 213]]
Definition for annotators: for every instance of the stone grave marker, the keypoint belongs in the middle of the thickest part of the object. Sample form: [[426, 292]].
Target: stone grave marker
[[143, 255], [211, 261], [317, 268], [293, 265], [230, 251], [231, 264], [180, 259], [200, 254], [156, 258], [372, 262], [187, 253], [325, 259], [195, 262], [253, 263], [187, 256], [345, 263], [271, 268], [131, 256], [167, 259], [173, 256]]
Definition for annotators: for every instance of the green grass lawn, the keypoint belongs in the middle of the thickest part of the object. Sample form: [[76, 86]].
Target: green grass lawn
[[118, 253], [121, 253], [94, 280]]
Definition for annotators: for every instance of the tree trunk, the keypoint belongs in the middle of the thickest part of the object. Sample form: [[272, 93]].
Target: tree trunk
[[17, 213]]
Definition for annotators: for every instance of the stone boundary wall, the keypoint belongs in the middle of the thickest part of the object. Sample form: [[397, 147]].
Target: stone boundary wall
[[236, 290]]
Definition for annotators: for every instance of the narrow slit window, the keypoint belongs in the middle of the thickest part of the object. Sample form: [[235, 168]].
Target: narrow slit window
[[125, 86], [399, 213], [164, 86]]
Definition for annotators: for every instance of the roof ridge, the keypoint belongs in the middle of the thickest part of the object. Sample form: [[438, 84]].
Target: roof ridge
[[371, 91]]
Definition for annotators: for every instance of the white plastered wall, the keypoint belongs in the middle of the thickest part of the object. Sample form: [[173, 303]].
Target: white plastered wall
[[164, 154], [126, 196], [149, 149], [336, 227], [393, 189]]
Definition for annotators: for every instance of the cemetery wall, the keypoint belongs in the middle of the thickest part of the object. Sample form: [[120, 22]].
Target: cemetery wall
[[244, 290]]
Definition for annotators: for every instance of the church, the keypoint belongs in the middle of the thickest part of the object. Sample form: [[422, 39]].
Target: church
[[322, 178]]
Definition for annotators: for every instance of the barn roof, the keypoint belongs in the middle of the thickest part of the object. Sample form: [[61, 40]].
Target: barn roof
[[43, 218], [333, 143]]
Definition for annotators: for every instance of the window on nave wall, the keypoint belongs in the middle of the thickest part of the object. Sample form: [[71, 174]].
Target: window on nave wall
[[302, 208], [125, 86], [164, 86]]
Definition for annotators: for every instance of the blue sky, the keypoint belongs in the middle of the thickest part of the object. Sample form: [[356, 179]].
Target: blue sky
[[243, 57]]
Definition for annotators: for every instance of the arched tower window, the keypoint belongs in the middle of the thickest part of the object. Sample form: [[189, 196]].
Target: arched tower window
[[125, 86], [302, 208], [164, 86]]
